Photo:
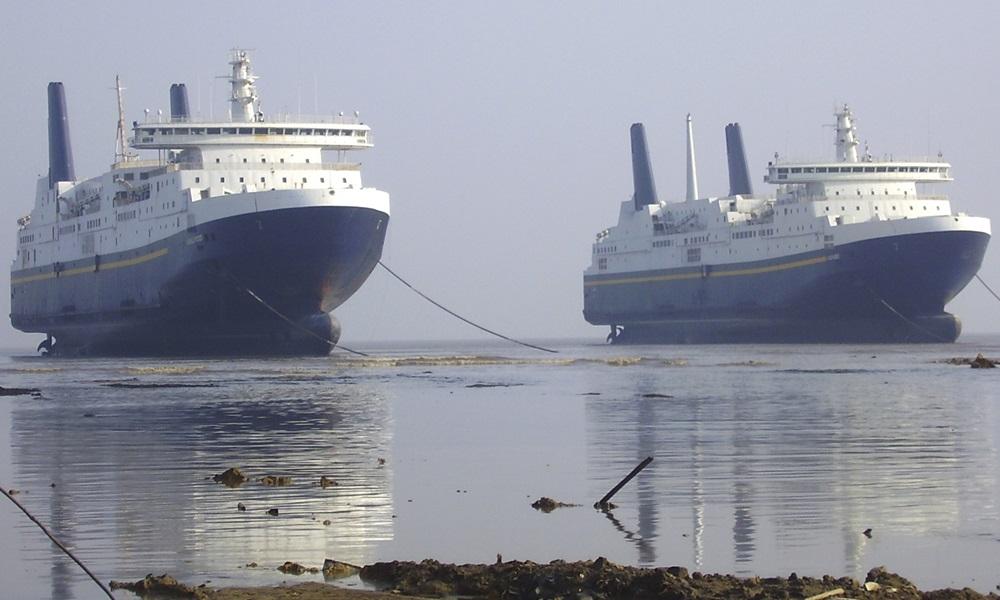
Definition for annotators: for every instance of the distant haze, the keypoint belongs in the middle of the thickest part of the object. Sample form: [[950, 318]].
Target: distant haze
[[501, 129]]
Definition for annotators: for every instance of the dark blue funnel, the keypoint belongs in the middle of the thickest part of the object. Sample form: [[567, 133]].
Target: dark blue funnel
[[179, 110], [642, 173], [739, 174], [60, 153]]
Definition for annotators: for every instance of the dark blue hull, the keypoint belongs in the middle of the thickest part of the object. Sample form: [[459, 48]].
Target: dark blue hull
[[890, 289], [187, 294]]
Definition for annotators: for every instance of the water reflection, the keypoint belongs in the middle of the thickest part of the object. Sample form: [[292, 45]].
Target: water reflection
[[808, 460], [130, 469]]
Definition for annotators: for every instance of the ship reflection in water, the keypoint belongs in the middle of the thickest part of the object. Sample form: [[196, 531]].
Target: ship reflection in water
[[762, 466], [132, 467], [761, 469]]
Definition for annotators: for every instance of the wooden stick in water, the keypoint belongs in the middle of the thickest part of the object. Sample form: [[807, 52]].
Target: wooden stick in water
[[603, 502], [58, 543]]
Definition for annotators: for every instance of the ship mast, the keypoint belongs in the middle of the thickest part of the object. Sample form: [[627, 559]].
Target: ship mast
[[847, 139], [244, 105], [122, 153], [692, 171]]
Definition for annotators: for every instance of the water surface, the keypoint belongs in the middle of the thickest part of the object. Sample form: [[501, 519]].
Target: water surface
[[767, 460]]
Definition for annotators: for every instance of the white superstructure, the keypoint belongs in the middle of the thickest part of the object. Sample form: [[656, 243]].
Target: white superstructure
[[204, 170], [815, 206]]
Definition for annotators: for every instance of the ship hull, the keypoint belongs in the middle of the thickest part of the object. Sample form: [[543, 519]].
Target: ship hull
[[881, 290], [257, 283]]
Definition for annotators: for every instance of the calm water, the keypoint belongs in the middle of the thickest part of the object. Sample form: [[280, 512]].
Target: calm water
[[768, 459]]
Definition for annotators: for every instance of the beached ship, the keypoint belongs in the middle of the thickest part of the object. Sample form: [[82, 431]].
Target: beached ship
[[844, 251], [239, 237]]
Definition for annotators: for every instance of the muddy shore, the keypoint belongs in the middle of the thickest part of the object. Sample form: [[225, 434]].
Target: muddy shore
[[595, 579]]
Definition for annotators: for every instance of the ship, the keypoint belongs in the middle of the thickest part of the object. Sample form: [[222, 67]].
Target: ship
[[239, 236], [851, 250]]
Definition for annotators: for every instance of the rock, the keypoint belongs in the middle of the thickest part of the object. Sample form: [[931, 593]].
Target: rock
[[275, 480], [867, 532], [871, 586], [326, 521], [231, 477], [335, 569], [325, 482], [273, 512], [163, 586], [547, 505], [678, 572], [241, 507], [13, 492], [252, 565], [885, 578], [656, 396], [294, 568], [381, 461], [981, 362]]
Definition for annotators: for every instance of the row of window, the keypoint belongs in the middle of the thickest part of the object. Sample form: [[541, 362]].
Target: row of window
[[264, 180], [27, 239], [605, 249], [663, 243], [149, 131], [127, 215], [887, 169], [752, 233]]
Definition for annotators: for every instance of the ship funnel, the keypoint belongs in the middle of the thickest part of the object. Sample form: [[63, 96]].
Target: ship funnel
[[60, 153], [179, 110], [642, 173], [739, 175]]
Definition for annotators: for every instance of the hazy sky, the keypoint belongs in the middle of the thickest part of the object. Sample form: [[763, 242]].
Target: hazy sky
[[501, 128]]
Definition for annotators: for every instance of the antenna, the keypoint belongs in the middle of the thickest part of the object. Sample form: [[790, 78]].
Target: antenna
[[122, 153]]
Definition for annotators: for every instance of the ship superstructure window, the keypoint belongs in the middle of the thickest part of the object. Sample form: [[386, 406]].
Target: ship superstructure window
[[694, 254]]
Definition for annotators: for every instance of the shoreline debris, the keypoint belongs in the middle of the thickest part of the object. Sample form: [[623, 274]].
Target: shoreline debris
[[19, 391], [275, 480], [162, 586], [231, 477], [335, 569], [547, 505], [294, 568], [981, 362]]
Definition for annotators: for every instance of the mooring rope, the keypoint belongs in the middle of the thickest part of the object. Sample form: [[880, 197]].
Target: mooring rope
[[988, 288], [907, 319], [57, 542], [306, 330], [460, 317]]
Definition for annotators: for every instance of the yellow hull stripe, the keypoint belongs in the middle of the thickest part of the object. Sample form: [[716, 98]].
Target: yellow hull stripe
[[712, 273], [104, 266]]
